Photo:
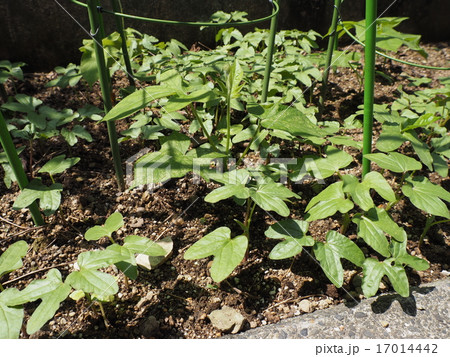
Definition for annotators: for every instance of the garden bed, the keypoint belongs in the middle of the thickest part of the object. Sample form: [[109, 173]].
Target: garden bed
[[180, 293]]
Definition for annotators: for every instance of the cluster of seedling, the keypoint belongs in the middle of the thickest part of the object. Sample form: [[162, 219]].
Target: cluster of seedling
[[206, 110]]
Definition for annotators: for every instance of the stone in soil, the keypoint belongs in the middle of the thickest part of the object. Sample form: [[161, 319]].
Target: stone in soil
[[227, 320]]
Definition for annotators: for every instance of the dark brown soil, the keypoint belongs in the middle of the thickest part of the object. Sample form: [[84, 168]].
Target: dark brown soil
[[180, 294]]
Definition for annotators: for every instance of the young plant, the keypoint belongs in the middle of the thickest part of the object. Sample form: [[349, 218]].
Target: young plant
[[49, 196]]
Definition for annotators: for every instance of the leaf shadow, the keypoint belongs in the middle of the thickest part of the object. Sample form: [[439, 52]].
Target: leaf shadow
[[408, 304]]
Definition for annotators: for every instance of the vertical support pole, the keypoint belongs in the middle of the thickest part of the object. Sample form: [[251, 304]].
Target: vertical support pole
[[117, 7], [332, 42], [369, 80], [269, 58], [98, 33], [16, 165]]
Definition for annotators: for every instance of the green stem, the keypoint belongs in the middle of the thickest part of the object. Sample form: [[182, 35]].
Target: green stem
[[117, 7], [16, 165], [1, 287], [369, 80], [428, 225], [249, 144], [227, 149], [96, 23], [345, 223], [202, 125], [331, 44], [269, 58], [248, 216], [102, 310]]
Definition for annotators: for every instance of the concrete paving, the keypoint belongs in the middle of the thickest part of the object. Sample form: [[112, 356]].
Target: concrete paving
[[424, 314]]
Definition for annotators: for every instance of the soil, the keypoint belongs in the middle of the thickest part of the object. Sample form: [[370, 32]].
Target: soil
[[180, 294]]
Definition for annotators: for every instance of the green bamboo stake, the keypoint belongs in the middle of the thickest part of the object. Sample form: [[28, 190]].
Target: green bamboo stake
[[369, 80], [98, 33], [269, 59], [16, 165], [331, 46], [117, 7]]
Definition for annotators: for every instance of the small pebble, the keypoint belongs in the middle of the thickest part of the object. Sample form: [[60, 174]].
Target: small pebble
[[384, 323]]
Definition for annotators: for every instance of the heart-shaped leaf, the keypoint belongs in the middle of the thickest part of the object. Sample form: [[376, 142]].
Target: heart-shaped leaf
[[49, 197], [228, 253], [329, 255], [112, 224], [374, 271]]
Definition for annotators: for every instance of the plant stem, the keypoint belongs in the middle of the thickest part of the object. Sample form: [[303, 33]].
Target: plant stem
[[248, 216], [227, 149], [105, 320], [117, 7], [16, 165], [430, 223], [97, 29], [202, 125], [1, 287], [345, 223], [369, 80], [269, 58], [331, 44]]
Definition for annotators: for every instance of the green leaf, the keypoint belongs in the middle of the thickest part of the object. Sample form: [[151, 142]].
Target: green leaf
[[88, 65], [59, 164], [11, 259], [421, 148], [398, 250], [293, 121], [328, 202], [96, 259], [51, 290], [24, 104], [440, 164], [10, 317], [373, 235], [227, 191], [228, 253], [49, 197], [335, 159], [47, 308], [360, 192], [422, 122], [427, 196], [271, 196], [374, 271], [138, 100], [390, 138], [126, 261], [395, 162], [93, 282], [293, 234], [112, 224], [329, 255], [143, 245]]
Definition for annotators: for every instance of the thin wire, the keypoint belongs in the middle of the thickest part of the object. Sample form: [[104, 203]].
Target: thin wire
[[188, 23], [390, 57]]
